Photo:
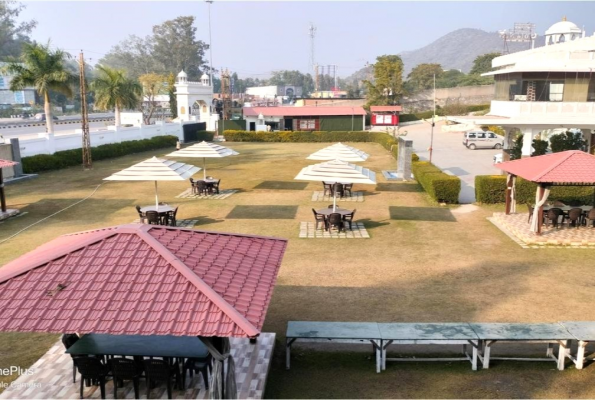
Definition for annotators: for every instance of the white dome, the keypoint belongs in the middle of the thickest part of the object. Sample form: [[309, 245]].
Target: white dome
[[563, 27], [204, 76], [182, 74]]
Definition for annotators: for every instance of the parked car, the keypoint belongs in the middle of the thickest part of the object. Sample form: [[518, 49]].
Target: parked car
[[482, 139], [41, 117]]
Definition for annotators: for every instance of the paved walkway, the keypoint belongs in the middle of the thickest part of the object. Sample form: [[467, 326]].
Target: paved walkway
[[52, 376], [308, 230], [355, 197], [451, 156]]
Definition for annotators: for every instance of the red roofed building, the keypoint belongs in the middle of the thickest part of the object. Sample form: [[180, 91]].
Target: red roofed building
[[306, 118], [385, 115], [143, 280]]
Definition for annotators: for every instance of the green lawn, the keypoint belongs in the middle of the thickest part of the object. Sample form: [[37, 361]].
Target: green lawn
[[422, 263]]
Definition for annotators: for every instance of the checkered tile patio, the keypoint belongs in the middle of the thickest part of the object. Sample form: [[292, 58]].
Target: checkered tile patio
[[223, 194], [308, 230], [52, 376], [355, 197], [517, 227]]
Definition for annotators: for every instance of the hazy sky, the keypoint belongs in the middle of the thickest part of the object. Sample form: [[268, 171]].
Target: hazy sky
[[254, 38]]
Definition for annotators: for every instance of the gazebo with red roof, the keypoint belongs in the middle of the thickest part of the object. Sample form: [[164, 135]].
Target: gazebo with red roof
[[143, 280], [567, 168]]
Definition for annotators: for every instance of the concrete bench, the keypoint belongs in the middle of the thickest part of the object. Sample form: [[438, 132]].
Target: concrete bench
[[583, 332], [548, 333], [430, 333], [349, 332]]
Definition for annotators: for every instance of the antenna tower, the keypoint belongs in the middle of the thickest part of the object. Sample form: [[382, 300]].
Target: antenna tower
[[87, 163]]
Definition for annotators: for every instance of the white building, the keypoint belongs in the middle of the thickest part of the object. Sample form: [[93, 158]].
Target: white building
[[545, 90], [195, 101], [8, 97]]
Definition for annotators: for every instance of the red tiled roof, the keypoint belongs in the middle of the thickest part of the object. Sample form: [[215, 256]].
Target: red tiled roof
[[7, 163], [385, 108], [302, 111], [571, 166], [143, 279]]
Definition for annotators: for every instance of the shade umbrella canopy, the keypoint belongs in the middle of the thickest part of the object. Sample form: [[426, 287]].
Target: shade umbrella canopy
[[339, 151], [337, 171], [204, 150], [4, 164], [155, 169]]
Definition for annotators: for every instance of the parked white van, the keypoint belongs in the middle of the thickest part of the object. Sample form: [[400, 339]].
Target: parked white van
[[482, 139]]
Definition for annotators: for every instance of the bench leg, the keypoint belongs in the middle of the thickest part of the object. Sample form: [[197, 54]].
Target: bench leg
[[563, 352], [486, 354], [474, 357], [550, 350], [378, 350], [287, 353], [580, 354]]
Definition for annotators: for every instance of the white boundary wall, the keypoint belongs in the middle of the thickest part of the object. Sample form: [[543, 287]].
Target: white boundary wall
[[52, 143]]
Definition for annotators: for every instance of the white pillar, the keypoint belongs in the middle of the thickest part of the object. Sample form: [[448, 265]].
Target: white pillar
[[528, 136]]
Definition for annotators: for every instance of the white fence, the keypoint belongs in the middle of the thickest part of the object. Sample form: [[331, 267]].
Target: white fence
[[51, 144]]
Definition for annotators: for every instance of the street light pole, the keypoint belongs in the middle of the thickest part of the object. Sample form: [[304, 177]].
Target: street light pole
[[433, 116]]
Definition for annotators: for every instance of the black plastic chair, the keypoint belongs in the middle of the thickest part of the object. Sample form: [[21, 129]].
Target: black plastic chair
[[338, 190], [347, 188], [319, 218], [591, 217], [125, 369], [171, 217], [193, 185], [197, 365], [153, 218], [553, 216], [161, 371], [92, 369], [141, 215], [215, 186], [335, 220], [328, 189], [201, 188], [349, 218], [575, 217], [69, 339]]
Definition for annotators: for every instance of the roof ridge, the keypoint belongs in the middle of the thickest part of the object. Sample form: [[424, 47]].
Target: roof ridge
[[205, 289], [568, 154]]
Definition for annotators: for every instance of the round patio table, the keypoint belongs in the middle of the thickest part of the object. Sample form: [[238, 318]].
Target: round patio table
[[163, 208], [328, 211]]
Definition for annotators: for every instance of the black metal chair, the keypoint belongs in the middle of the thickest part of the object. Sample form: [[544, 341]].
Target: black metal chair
[[590, 217], [553, 216], [338, 190], [196, 365], [153, 218], [328, 189], [141, 215], [162, 371], [531, 209], [171, 217], [347, 188], [92, 369], [575, 217], [201, 188], [125, 369], [69, 339], [215, 186], [319, 218], [193, 185], [349, 218], [335, 220]]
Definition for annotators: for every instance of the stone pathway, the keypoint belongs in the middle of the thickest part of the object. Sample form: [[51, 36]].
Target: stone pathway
[[308, 230], [356, 196], [518, 229], [181, 223], [223, 194]]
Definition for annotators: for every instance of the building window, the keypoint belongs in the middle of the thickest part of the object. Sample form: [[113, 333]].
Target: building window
[[307, 124], [556, 91]]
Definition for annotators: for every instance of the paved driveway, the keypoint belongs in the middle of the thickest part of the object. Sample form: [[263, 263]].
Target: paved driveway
[[450, 155]]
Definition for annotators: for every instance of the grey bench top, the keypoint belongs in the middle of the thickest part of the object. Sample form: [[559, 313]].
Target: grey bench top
[[427, 331], [332, 330], [518, 331], [581, 330]]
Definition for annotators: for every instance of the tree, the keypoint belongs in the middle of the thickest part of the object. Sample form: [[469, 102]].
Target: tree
[[171, 90], [13, 34], [517, 149], [153, 85], [422, 77], [45, 70], [567, 141], [292, 78], [450, 78], [387, 87], [539, 147], [133, 55], [483, 63], [113, 90]]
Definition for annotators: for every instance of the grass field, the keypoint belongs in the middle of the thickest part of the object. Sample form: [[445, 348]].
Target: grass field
[[422, 263]]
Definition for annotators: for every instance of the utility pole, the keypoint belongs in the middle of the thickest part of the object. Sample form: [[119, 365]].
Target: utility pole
[[210, 45], [433, 116], [87, 163]]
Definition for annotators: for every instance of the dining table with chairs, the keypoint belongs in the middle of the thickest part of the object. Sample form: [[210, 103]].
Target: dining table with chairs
[[341, 188], [334, 217], [206, 186], [557, 214], [163, 214]]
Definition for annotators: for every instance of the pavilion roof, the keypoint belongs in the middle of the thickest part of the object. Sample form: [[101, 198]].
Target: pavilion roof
[[143, 279], [7, 163], [566, 167]]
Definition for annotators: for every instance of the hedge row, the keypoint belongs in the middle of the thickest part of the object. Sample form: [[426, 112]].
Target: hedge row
[[71, 158], [440, 112], [440, 186], [491, 189]]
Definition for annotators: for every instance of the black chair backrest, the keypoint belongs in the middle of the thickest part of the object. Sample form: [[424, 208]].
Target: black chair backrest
[[554, 213], [138, 210], [337, 187], [350, 216], [125, 368], [90, 367], [68, 339], [201, 184], [158, 370], [315, 213], [191, 181], [348, 185], [335, 219], [575, 213], [175, 212], [153, 217]]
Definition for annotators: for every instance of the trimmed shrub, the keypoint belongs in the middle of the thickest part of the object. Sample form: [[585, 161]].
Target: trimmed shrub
[[71, 158], [199, 136], [490, 189], [440, 186]]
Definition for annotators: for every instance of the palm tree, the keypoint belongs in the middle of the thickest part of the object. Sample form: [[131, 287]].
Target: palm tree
[[45, 70], [113, 90]]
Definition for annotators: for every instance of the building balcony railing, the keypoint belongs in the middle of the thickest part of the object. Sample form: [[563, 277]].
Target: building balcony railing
[[562, 108]]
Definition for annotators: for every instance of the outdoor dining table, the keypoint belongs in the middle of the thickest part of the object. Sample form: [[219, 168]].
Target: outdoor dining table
[[566, 208], [140, 345], [328, 211], [163, 208]]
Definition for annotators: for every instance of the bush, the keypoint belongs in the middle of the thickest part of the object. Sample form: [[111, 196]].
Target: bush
[[539, 147], [71, 158], [449, 109], [491, 189], [440, 186], [198, 136]]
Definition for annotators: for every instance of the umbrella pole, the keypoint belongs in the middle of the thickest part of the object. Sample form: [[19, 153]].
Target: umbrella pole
[[334, 201], [204, 168], [156, 198]]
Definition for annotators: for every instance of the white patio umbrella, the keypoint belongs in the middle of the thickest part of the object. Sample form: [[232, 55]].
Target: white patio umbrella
[[204, 150], [337, 171], [339, 151], [155, 169]]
